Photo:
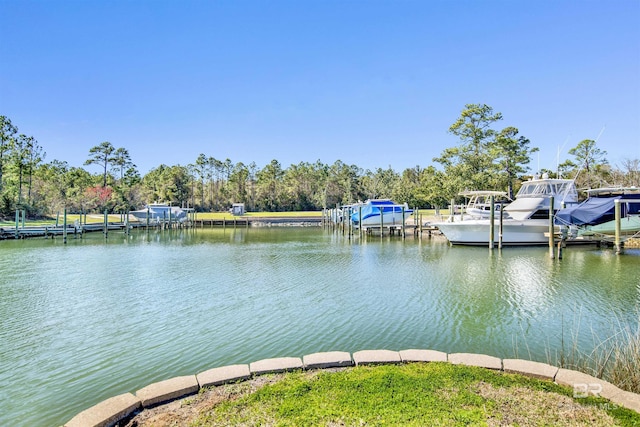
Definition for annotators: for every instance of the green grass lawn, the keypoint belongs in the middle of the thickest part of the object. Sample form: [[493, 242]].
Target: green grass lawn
[[433, 394]]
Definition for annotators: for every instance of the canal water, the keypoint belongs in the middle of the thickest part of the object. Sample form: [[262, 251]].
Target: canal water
[[95, 318]]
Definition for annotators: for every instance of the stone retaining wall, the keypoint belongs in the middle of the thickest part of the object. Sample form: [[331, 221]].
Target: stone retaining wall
[[110, 411]]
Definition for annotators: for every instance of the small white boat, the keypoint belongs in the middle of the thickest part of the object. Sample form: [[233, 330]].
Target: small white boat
[[526, 219], [479, 205], [392, 213], [160, 212]]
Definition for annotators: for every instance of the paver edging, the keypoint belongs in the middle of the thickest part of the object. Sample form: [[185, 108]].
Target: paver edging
[[416, 355], [328, 359], [101, 415], [376, 357], [166, 390], [275, 365], [106, 413], [223, 375], [626, 399], [530, 368], [474, 359]]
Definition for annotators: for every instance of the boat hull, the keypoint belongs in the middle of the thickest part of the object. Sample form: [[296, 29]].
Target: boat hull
[[629, 226], [388, 219], [514, 232]]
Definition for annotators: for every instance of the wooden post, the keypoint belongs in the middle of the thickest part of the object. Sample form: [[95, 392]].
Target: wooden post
[[64, 230], [360, 220], [551, 246], [452, 209], [126, 223], [492, 215], [560, 242], [57, 218], [500, 230], [82, 214], [17, 222], [618, 224], [106, 224], [381, 221], [403, 224]]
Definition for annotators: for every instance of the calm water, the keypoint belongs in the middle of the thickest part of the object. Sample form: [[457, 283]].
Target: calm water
[[92, 319]]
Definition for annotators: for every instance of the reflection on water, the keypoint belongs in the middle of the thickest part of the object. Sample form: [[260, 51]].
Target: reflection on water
[[91, 319]]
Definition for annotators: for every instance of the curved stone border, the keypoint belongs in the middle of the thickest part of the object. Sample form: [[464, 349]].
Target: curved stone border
[[109, 412]]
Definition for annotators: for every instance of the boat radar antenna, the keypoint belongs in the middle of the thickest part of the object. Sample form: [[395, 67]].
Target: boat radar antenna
[[558, 157]]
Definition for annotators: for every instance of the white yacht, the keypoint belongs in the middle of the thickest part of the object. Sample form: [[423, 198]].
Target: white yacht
[[525, 220]]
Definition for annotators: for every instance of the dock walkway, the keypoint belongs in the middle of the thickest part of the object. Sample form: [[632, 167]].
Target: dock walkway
[[76, 229]]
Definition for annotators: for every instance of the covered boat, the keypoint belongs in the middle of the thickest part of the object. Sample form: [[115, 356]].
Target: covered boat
[[160, 212], [392, 213], [596, 215]]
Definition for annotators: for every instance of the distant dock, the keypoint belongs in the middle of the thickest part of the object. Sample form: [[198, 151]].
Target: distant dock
[[339, 219], [77, 229]]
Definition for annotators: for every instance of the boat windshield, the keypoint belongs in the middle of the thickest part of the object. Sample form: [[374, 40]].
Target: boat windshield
[[565, 189]]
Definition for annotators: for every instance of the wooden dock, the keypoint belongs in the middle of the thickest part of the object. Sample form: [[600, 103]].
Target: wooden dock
[[53, 231], [77, 229]]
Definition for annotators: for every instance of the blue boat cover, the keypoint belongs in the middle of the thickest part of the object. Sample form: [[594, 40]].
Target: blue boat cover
[[594, 210]]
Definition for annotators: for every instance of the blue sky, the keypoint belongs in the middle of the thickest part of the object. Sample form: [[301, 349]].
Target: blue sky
[[372, 83]]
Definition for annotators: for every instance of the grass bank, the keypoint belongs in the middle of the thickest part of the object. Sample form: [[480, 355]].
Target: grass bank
[[418, 394]]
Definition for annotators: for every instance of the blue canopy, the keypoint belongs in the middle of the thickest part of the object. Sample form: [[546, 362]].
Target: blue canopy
[[592, 211], [596, 210]]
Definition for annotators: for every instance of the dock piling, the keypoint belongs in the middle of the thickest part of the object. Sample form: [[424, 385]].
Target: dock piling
[[106, 223], [618, 226], [551, 245], [64, 225], [492, 215], [499, 229]]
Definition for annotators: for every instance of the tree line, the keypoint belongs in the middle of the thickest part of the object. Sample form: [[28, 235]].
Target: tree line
[[484, 158]]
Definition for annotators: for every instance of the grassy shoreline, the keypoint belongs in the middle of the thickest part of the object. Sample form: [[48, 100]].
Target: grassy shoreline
[[413, 394]]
